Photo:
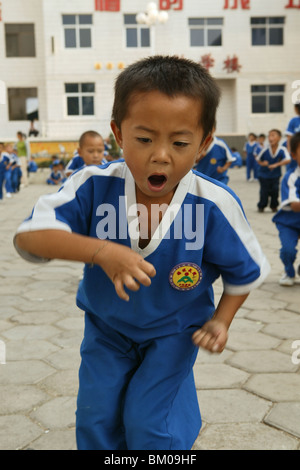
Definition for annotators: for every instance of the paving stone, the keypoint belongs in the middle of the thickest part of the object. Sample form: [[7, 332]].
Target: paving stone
[[218, 376], [55, 440], [32, 349], [243, 436], [284, 330], [24, 372], [250, 341], [62, 383], [285, 416], [16, 431], [262, 361], [30, 332], [24, 397], [57, 413], [276, 387], [231, 406], [65, 359]]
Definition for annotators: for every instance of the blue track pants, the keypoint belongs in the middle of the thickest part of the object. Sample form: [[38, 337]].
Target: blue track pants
[[136, 396], [289, 239]]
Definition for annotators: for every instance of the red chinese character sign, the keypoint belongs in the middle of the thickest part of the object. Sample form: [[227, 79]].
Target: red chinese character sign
[[171, 4], [293, 4], [107, 5], [231, 64], [234, 4], [207, 61]]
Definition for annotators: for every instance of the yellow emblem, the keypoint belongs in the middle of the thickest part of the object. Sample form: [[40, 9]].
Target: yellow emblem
[[185, 276], [213, 161]]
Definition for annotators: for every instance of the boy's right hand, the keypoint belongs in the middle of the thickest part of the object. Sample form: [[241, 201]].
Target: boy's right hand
[[124, 267]]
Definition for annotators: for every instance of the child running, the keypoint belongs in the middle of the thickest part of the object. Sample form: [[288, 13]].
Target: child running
[[154, 235], [287, 219]]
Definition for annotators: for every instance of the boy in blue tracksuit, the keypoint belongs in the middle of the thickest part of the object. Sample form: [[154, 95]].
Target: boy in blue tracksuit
[[270, 161], [91, 151], [154, 235], [287, 219], [249, 150], [216, 161]]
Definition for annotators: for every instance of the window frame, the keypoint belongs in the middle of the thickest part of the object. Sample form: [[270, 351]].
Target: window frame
[[20, 39], [32, 94], [80, 95], [139, 28], [77, 27], [205, 26], [268, 94], [267, 26]]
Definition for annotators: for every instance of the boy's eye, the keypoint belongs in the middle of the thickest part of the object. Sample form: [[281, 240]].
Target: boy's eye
[[181, 144], [144, 140]]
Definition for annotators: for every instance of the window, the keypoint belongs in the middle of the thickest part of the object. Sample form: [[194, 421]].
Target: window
[[205, 31], [19, 40], [22, 104], [78, 31], [267, 98], [137, 35], [80, 99], [267, 31]]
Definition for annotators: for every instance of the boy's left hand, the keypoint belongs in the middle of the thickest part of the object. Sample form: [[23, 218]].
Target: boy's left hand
[[212, 336]]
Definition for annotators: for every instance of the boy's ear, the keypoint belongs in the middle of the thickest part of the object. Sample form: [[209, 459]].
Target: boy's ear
[[204, 146], [117, 133]]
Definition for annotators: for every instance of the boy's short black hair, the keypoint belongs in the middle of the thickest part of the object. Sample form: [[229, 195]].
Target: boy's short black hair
[[171, 75], [278, 132], [295, 142], [88, 134]]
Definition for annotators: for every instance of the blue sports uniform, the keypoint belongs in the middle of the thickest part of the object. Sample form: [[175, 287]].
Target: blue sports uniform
[[269, 179], [251, 164], [217, 155], [293, 126], [288, 221], [77, 163], [137, 388]]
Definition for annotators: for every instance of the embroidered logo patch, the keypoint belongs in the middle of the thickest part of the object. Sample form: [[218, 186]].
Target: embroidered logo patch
[[185, 276], [213, 161]]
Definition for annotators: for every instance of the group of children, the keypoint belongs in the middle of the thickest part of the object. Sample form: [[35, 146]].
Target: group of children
[[266, 162], [148, 300], [10, 170]]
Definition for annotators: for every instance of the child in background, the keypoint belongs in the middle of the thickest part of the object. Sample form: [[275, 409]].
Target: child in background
[[2, 170], [216, 161], [287, 219], [137, 389], [15, 169], [270, 161], [251, 165], [238, 163], [55, 177], [7, 156], [293, 125], [90, 152]]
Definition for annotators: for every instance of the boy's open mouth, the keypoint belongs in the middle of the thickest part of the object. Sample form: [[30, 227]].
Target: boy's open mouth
[[157, 182]]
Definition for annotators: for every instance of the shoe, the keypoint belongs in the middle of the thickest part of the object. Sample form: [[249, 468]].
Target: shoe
[[286, 280], [274, 209], [260, 209], [8, 195]]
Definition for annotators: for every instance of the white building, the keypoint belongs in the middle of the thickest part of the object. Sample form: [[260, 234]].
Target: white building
[[61, 57]]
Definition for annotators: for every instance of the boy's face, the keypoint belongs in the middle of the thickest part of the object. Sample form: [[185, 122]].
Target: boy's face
[[274, 138], [161, 139], [92, 150]]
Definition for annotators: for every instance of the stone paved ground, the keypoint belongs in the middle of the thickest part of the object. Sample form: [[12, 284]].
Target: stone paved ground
[[249, 396]]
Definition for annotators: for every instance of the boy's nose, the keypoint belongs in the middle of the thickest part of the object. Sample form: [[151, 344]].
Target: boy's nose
[[161, 155]]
